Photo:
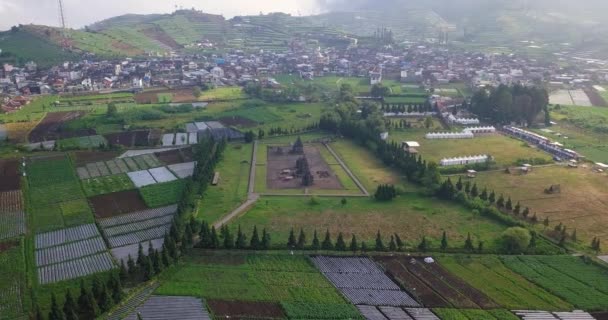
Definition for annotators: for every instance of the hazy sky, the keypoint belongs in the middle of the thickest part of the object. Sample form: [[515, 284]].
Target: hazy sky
[[83, 12]]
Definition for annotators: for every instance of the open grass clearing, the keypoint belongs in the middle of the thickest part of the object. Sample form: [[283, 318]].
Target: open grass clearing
[[411, 216], [581, 205]]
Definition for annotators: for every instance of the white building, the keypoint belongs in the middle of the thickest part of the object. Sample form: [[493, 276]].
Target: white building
[[477, 130], [461, 161], [450, 135]]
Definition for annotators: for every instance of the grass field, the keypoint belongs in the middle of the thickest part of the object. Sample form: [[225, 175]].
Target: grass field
[[276, 278], [222, 93], [232, 189], [163, 194], [474, 314], [567, 277], [55, 198], [411, 216], [505, 150], [507, 288], [581, 204], [107, 184], [13, 285], [587, 142]]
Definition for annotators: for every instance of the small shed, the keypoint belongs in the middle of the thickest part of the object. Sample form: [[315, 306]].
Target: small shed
[[410, 146], [216, 179], [471, 173]]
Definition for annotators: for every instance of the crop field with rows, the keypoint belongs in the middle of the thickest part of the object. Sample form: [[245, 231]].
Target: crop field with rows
[[584, 286], [474, 314], [12, 281], [108, 184], [75, 268], [507, 288], [12, 215], [259, 278], [163, 194]]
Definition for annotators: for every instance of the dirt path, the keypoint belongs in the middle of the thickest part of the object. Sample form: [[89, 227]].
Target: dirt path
[[350, 174]]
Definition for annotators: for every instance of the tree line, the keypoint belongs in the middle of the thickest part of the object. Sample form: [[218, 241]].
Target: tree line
[[507, 104]]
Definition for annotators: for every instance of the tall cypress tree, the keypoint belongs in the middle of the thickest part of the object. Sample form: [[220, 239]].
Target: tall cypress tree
[[444, 241], [255, 243], [379, 243], [123, 273], [228, 239], [215, 241], [105, 300], [315, 242], [55, 313], [240, 239], [327, 245], [468, 243], [265, 239], [115, 286], [291, 242], [423, 245], [492, 197], [87, 304], [70, 308], [301, 240], [96, 288], [340, 244], [392, 245], [353, 244], [165, 257], [399, 242]]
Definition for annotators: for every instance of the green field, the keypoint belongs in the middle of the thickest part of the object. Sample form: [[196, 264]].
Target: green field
[[578, 206], [222, 93], [567, 277], [108, 184], [55, 198], [410, 215], [506, 151], [13, 285], [507, 288], [89, 142], [163, 194], [165, 97], [232, 188], [270, 278], [474, 314]]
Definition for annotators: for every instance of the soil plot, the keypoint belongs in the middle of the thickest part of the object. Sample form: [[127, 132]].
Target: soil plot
[[245, 310], [282, 171], [50, 128], [112, 204], [9, 175]]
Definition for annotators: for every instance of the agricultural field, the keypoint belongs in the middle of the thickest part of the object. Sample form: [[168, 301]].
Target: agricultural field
[[13, 285], [87, 142], [232, 188], [10, 176], [164, 307], [474, 314], [580, 205], [505, 150], [568, 277], [510, 290], [55, 197], [117, 203], [409, 215], [253, 278], [163, 194], [12, 214], [108, 184]]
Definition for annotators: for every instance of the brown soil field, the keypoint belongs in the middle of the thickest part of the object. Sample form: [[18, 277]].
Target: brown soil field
[[245, 310], [50, 128], [454, 290], [582, 203], [129, 138], [175, 156], [10, 179], [83, 157], [595, 98], [11, 201], [237, 121], [324, 177], [159, 35], [117, 203], [19, 131], [179, 96], [411, 283], [600, 315], [4, 246]]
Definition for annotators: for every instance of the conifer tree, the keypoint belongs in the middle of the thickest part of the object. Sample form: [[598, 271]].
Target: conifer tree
[[291, 242], [474, 191], [165, 257], [526, 212], [509, 204], [424, 245], [517, 209], [315, 242], [157, 264], [301, 240], [340, 244], [444, 241], [55, 313], [215, 241], [392, 245], [353, 244], [492, 197], [467, 187], [255, 243], [265, 239], [484, 194], [115, 286], [228, 239], [96, 288], [480, 247], [38, 313], [87, 304], [188, 235], [459, 184], [400, 243], [574, 236], [327, 244], [140, 262], [123, 273], [379, 243], [364, 246], [241, 240], [532, 244], [204, 236], [105, 301], [501, 202], [70, 308], [546, 222]]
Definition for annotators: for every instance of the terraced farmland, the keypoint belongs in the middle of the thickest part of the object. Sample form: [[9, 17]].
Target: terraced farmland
[[12, 215], [362, 282], [584, 286], [504, 286]]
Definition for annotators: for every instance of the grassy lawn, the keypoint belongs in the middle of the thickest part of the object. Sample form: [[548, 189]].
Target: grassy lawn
[[268, 278], [505, 150], [107, 184], [411, 216], [366, 167], [581, 203], [232, 188], [507, 288]]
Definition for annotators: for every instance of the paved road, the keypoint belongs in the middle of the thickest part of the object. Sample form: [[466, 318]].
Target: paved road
[[352, 176], [251, 200], [254, 160]]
